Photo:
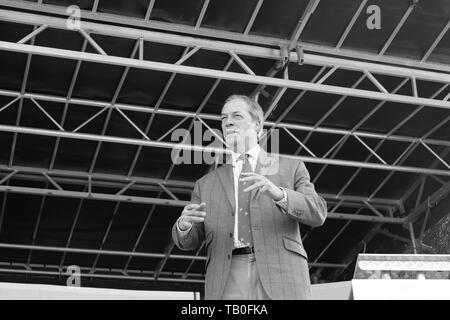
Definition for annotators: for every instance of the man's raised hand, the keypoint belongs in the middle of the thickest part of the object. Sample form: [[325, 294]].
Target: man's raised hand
[[191, 213]]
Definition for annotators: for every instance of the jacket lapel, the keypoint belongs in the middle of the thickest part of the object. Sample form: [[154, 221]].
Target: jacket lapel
[[225, 174]]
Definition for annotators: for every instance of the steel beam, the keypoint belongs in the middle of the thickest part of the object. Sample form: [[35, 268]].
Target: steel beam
[[403, 158], [310, 8], [367, 218], [441, 193], [114, 185], [152, 117], [140, 25], [3, 209], [149, 10], [66, 104], [397, 29], [216, 117], [100, 276], [141, 233], [436, 155], [227, 75], [202, 14], [38, 223], [420, 193], [115, 181], [129, 277], [172, 145], [9, 175], [72, 229], [33, 34], [253, 17], [9, 103], [159, 268], [152, 184], [179, 40], [328, 113], [100, 269], [290, 106], [394, 236], [330, 243], [163, 202], [197, 112], [436, 42], [413, 238], [22, 91], [93, 196], [351, 256], [102, 252], [406, 152], [424, 225], [351, 23], [199, 250], [92, 42], [375, 109], [113, 101], [125, 253], [105, 236]]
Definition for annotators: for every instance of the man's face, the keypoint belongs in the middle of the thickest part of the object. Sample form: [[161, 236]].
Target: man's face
[[239, 129]]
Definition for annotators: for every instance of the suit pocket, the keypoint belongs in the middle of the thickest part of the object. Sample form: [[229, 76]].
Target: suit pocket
[[208, 241], [208, 238], [207, 262], [295, 246]]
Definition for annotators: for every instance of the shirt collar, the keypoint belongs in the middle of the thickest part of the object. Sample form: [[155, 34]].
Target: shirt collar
[[252, 152]]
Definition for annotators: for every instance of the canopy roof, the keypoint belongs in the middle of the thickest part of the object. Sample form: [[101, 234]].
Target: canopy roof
[[88, 116]]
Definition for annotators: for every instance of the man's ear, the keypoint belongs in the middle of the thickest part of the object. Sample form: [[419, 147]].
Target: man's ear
[[258, 128]]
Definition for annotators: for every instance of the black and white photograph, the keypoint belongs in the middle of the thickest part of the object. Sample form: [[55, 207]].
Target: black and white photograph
[[237, 151]]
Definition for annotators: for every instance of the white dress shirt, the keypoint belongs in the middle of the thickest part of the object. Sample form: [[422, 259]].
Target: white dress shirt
[[238, 163]]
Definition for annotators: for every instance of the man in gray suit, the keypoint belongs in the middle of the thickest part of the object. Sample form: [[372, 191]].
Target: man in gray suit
[[248, 212]]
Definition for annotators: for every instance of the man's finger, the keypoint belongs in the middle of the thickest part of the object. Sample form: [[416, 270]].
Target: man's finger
[[254, 186], [194, 219], [195, 206], [196, 213], [249, 173], [252, 178], [191, 206]]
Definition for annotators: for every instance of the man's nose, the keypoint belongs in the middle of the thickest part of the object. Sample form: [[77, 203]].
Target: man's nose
[[228, 122]]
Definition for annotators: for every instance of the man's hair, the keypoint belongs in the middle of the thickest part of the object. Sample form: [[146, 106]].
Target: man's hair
[[255, 110]]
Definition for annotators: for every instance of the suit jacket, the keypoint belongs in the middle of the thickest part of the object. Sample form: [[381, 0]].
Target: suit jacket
[[280, 257]]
